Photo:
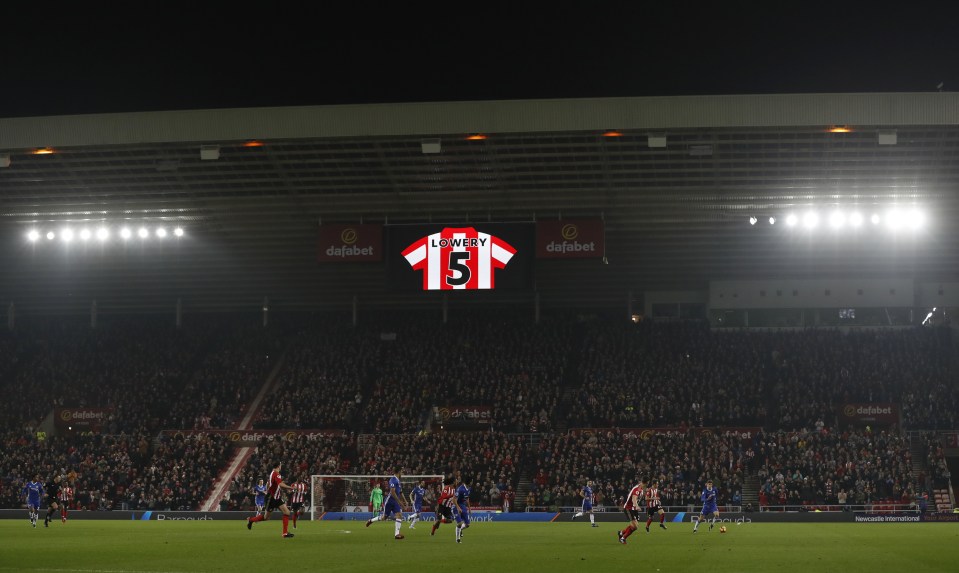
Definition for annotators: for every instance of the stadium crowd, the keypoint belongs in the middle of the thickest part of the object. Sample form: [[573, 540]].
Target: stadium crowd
[[302, 457], [615, 460], [834, 468], [487, 458], [109, 471], [386, 378]]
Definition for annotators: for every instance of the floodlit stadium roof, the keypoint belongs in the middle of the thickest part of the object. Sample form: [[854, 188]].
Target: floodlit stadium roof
[[676, 216]]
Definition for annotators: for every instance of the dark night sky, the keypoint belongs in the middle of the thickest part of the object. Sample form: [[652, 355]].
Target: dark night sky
[[164, 56]]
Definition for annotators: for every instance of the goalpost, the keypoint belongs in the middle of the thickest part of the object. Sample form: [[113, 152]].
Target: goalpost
[[351, 493]]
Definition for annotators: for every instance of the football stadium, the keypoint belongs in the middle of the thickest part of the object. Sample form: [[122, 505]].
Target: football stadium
[[709, 332]]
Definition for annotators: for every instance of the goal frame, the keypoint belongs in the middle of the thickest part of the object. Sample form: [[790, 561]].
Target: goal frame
[[317, 478]]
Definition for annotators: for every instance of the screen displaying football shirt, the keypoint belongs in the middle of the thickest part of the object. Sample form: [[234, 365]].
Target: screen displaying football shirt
[[458, 259]]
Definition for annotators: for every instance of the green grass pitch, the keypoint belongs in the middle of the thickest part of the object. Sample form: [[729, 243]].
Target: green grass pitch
[[181, 546]]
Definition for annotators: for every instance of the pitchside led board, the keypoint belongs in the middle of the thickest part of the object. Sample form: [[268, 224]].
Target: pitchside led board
[[460, 256]]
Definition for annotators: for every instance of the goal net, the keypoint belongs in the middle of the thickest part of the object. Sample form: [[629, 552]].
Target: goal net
[[352, 493]]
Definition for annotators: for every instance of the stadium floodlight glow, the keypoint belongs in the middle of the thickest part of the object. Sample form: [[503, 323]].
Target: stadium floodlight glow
[[143, 233], [753, 220], [51, 235], [85, 235], [855, 219], [810, 220], [126, 233], [837, 219], [178, 231], [772, 220], [894, 219], [916, 219], [103, 233], [66, 235], [161, 232], [33, 235], [791, 220]]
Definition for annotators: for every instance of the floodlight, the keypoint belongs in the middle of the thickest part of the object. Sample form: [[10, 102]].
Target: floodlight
[[126, 233], [85, 235], [874, 219], [791, 220], [143, 233], [916, 219], [51, 235], [772, 220], [178, 231], [753, 220], [855, 219], [161, 232], [103, 233], [33, 235], [837, 219], [895, 219], [66, 235], [810, 220]]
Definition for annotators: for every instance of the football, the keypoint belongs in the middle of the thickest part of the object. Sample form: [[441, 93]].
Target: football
[[722, 529]]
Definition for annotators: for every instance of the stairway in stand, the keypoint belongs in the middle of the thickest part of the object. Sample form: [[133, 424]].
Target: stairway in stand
[[525, 480], [242, 455], [570, 383], [751, 491], [917, 447]]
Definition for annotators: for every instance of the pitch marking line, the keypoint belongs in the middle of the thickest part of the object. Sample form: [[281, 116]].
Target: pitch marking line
[[4, 568]]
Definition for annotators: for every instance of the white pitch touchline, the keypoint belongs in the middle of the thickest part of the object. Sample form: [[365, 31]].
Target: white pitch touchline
[[82, 570]]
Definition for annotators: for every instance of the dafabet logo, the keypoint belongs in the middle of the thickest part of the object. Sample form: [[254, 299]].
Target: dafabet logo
[[346, 243]]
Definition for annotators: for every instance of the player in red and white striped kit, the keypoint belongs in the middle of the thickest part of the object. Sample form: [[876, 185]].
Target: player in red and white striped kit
[[444, 505], [653, 506], [65, 496], [634, 502], [274, 501], [296, 499]]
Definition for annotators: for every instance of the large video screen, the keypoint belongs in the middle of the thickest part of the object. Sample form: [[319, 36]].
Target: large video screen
[[460, 256]]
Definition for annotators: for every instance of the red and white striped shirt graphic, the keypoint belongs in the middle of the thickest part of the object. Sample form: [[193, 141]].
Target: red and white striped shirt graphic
[[298, 494], [637, 491], [66, 493], [458, 259]]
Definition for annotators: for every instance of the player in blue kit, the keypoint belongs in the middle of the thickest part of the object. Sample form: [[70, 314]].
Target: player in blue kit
[[33, 492], [462, 512], [709, 506], [416, 501], [259, 497], [392, 505], [588, 499]]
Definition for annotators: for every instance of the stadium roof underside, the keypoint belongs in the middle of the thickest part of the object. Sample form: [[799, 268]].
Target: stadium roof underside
[[675, 216]]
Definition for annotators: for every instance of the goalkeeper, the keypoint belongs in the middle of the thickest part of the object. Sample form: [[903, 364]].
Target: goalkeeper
[[376, 498]]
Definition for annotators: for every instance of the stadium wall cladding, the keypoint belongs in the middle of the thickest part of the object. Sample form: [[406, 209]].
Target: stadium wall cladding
[[545, 517]]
